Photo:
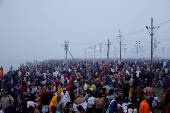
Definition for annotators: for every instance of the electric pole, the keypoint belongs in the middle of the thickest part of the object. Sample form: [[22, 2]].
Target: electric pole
[[137, 47], [108, 44], [85, 54], [151, 33], [94, 49], [65, 48], [142, 51], [91, 48], [120, 43], [100, 45]]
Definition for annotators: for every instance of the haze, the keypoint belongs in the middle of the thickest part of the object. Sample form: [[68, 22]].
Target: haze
[[35, 29]]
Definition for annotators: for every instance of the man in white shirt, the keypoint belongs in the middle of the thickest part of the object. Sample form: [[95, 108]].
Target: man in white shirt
[[55, 73], [112, 69], [107, 87], [90, 102], [65, 97]]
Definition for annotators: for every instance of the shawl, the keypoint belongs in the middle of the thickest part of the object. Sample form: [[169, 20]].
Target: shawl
[[53, 102], [84, 105]]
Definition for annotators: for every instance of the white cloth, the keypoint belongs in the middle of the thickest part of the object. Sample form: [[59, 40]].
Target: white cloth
[[107, 88], [19, 73], [44, 75], [113, 70], [65, 97], [164, 64], [90, 102], [55, 74], [84, 105], [127, 72], [137, 73], [155, 102], [45, 108]]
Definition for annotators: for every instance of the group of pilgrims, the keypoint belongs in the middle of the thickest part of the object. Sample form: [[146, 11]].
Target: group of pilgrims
[[86, 86]]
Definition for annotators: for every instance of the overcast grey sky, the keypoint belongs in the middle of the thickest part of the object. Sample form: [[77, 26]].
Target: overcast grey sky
[[35, 29]]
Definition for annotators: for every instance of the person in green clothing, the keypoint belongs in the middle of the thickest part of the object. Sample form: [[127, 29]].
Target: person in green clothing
[[134, 100]]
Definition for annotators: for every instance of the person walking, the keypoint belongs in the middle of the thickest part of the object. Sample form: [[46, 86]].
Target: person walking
[[6, 100], [60, 104], [144, 105]]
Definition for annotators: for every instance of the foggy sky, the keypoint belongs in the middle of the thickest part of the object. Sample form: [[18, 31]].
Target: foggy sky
[[35, 29]]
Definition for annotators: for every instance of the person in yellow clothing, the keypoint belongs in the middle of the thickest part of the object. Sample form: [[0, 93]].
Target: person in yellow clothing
[[53, 102], [144, 106], [59, 90], [54, 99], [85, 86]]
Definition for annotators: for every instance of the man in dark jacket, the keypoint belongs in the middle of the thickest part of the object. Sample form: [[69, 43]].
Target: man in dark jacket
[[47, 96], [108, 80], [150, 75], [11, 108]]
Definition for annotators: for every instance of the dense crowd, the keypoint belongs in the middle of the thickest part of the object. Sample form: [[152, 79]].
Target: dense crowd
[[86, 86]]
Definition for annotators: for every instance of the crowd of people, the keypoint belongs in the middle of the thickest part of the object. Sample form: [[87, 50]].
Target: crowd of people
[[86, 86]]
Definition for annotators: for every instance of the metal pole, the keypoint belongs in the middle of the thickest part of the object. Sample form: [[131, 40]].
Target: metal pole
[[71, 55], [66, 48], [155, 47], [100, 44], [108, 51], [120, 44], [152, 41], [155, 53], [100, 53]]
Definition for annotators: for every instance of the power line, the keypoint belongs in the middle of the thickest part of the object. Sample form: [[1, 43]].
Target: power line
[[142, 30]]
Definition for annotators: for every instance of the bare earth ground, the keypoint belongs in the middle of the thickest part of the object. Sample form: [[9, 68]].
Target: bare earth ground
[[160, 94]]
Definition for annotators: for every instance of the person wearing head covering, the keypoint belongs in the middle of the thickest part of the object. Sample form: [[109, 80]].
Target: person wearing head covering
[[53, 102], [68, 87], [53, 89], [148, 91], [139, 93], [59, 90], [60, 104], [6, 100], [65, 97], [144, 105]]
